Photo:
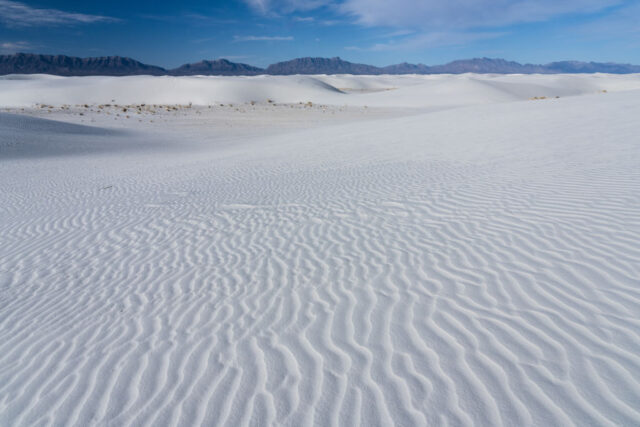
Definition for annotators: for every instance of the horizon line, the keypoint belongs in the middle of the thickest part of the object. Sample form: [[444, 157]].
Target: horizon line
[[326, 57]]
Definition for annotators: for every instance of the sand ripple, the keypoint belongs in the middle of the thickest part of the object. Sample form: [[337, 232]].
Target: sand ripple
[[352, 291]]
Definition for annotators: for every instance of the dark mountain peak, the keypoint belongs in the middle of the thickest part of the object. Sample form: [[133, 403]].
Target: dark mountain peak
[[309, 65], [220, 67], [406, 68]]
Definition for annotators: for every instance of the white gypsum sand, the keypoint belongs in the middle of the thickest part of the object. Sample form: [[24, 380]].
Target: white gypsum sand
[[455, 253]]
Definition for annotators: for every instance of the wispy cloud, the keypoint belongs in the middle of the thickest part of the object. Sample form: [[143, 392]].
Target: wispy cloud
[[398, 33], [207, 20], [303, 18], [437, 15], [15, 14], [622, 23], [275, 7], [428, 40], [261, 6], [331, 22], [190, 18], [13, 47], [261, 38], [460, 14]]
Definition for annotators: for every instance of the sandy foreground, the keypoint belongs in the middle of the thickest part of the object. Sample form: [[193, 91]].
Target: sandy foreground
[[320, 250]]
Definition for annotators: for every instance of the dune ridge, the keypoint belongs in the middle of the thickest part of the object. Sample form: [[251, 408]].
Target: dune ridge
[[407, 91]]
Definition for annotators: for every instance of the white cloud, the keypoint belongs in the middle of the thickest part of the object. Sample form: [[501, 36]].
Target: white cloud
[[429, 40], [397, 33], [261, 6], [303, 19], [456, 14], [14, 47], [261, 38], [271, 7], [15, 14], [436, 15], [331, 22]]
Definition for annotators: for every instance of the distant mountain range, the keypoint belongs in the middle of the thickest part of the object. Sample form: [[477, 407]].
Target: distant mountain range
[[26, 63], [61, 65]]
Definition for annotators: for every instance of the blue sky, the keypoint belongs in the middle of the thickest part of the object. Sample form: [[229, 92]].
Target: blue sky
[[378, 32]]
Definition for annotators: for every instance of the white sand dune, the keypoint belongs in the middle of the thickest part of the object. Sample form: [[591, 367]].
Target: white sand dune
[[477, 265], [409, 91]]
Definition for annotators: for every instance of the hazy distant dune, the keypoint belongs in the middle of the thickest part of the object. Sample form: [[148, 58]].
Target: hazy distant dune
[[381, 91]]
